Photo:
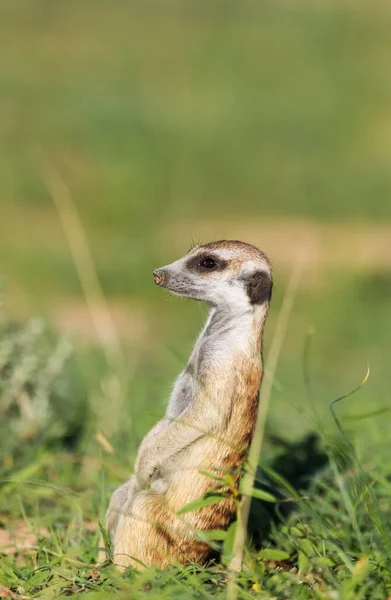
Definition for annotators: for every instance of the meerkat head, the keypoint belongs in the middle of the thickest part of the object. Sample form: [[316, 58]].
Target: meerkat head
[[226, 272]]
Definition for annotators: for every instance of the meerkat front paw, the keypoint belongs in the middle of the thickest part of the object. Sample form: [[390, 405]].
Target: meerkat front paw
[[159, 485]]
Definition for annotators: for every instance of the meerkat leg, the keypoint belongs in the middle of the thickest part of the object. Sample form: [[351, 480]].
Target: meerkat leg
[[149, 517], [123, 495], [119, 499]]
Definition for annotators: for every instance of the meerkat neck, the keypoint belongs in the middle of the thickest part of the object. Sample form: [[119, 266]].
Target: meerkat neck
[[228, 331], [240, 324]]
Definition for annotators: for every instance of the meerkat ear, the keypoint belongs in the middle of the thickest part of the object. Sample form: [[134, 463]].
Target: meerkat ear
[[259, 287]]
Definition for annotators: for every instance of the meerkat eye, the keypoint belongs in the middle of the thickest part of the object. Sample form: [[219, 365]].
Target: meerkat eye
[[205, 263], [208, 263]]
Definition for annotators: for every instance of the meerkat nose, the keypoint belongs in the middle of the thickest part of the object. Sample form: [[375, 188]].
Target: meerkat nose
[[159, 277]]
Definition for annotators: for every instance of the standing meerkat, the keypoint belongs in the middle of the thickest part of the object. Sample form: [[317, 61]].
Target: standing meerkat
[[211, 414]]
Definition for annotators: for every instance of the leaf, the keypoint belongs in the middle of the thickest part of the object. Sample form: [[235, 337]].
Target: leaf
[[215, 534], [272, 554], [211, 475], [200, 503], [262, 495], [228, 544], [323, 561], [296, 531], [307, 547], [212, 536]]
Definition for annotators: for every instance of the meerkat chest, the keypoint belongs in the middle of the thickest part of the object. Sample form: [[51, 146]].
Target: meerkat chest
[[214, 356]]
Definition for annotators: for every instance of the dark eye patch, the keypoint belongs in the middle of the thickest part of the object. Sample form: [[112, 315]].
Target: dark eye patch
[[206, 263]]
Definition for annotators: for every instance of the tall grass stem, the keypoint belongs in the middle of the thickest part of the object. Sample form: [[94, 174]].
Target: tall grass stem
[[96, 301], [247, 483]]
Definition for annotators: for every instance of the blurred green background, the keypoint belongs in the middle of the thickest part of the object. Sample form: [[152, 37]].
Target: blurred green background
[[162, 123]]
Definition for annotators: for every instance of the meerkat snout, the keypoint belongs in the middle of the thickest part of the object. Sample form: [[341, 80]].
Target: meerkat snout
[[158, 276]]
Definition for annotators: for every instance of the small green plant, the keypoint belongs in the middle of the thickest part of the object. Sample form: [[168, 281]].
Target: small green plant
[[40, 404]]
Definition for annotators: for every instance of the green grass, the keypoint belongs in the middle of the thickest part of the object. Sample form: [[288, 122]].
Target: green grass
[[162, 113], [336, 539]]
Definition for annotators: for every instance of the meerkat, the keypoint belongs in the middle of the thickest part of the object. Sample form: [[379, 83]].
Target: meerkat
[[211, 413]]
